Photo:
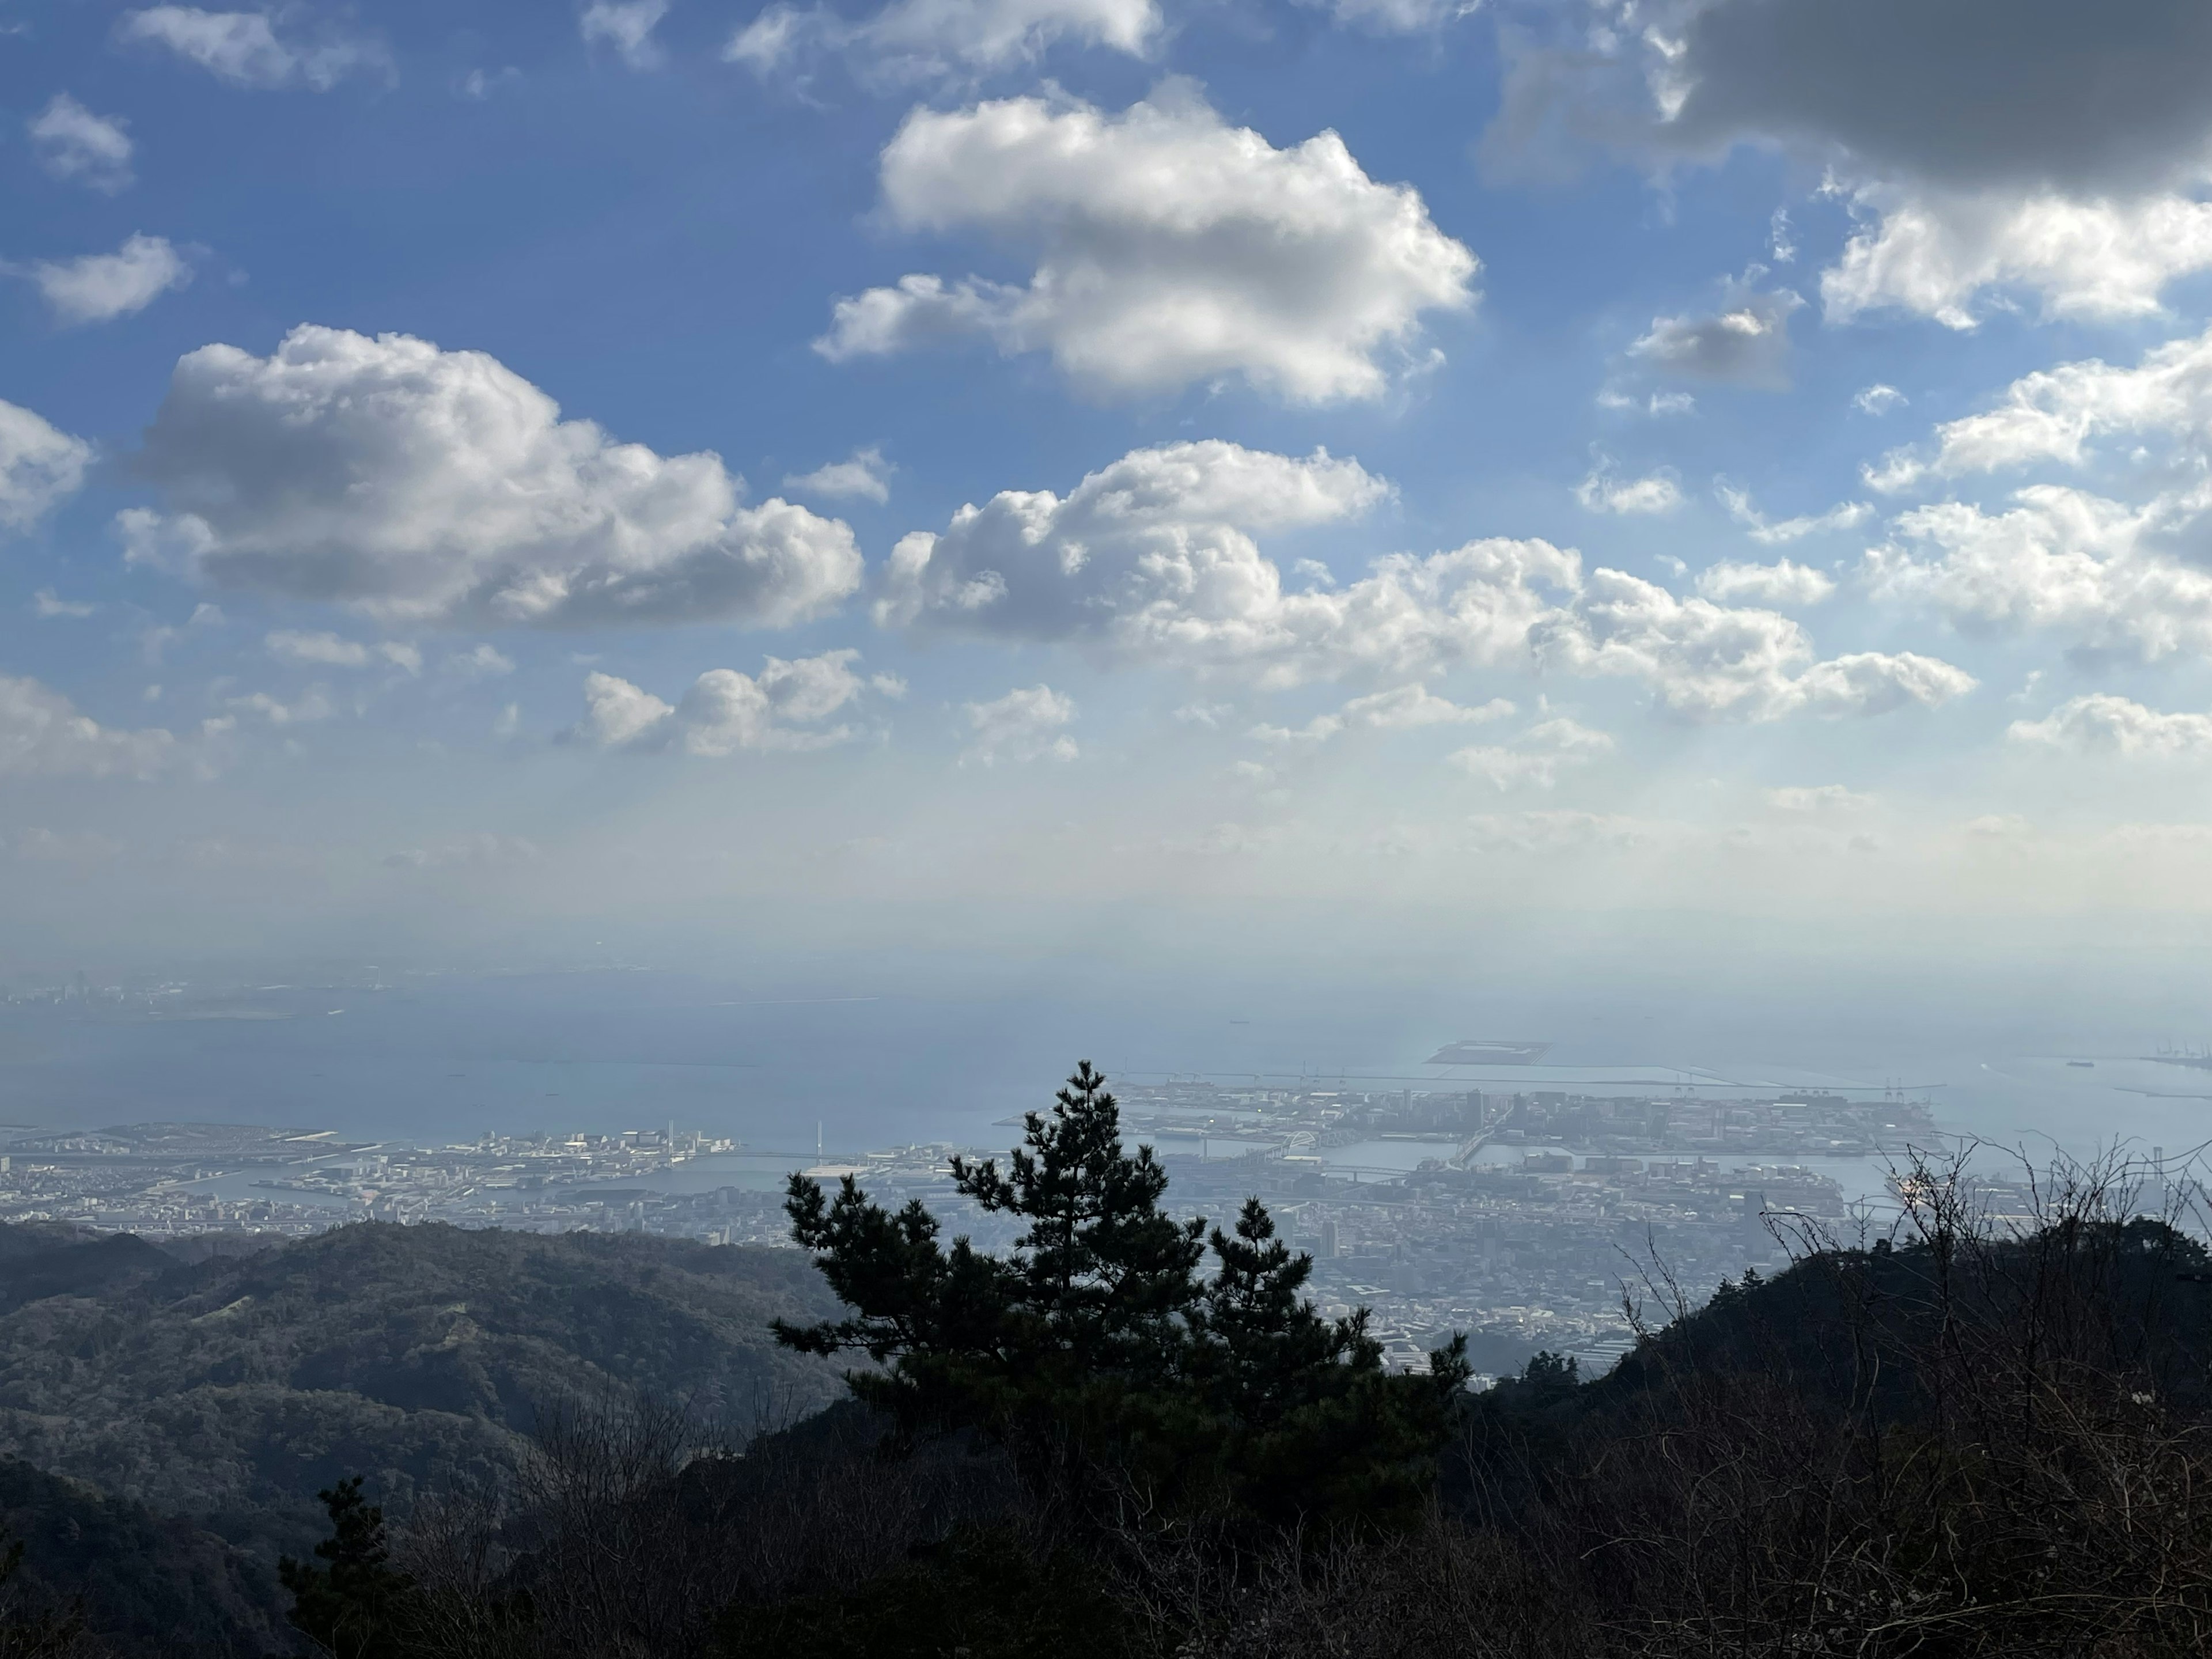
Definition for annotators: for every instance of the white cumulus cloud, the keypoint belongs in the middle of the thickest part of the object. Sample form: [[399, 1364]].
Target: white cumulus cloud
[[1407, 706], [43, 733], [1780, 583], [864, 473], [1155, 558], [312, 705], [1704, 661], [245, 49], [324, 650], [1844, 516], [41, 466], [916, 40], [1153, 555], [1030, 723], [618, 714], [1660, 406], [1396, 16], [1171, 247], [46, 605], [2101, 723], [1934, 254], [74, 145], [482, 662], [1544, 749], [2056, 415], [782, 708], [102, 286], [625, 27], [2057, 559], [1402, 707], [440, 487], [1604, 492]]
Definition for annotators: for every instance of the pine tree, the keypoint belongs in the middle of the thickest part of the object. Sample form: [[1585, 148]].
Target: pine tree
[[352, 1605], [1095, 1350], [1262, 1346], [1101, 1266]]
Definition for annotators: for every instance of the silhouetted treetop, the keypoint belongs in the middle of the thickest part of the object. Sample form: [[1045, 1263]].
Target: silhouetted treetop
[[350, 1605], [1097, 1350]]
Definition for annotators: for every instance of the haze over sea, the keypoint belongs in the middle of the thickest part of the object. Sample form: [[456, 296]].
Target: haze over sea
[[921, 1048]]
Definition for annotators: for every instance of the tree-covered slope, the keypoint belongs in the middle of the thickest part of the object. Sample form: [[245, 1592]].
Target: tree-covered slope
[[229, 1391], [78, 1268], [142, 1582]]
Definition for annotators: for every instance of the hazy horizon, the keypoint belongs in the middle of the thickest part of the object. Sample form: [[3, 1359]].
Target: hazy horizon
[[1104, 518], [918, 1046]]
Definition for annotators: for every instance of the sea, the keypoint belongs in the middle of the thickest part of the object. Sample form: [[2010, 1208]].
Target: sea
[[845, 1069]]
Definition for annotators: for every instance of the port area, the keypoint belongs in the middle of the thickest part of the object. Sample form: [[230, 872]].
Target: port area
[[1521, 1216], [1525, 1215], [1308, 1120]]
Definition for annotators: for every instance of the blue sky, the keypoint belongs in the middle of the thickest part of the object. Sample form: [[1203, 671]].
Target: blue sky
[[483, 478]]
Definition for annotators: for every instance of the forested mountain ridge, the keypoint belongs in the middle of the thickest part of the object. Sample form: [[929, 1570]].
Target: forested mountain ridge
[[137, 1578], [229, 1390], [1975, 1438], [1982, 1437]]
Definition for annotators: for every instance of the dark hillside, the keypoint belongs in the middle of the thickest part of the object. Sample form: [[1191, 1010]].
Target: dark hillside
[[1876, 1328], [195, 1248], [1914, 1338], [1989, 1438], [83, 1267], [26, 1238], [229, 1390], [1983, 1440], [146, 1583]]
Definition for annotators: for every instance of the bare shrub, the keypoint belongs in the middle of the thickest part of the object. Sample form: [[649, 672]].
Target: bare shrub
[[1985, 1435]]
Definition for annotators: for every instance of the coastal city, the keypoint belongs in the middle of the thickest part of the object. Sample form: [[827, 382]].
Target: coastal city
[[1521, 1216]]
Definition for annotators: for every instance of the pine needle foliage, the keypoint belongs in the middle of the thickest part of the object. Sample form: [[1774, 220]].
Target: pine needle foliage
[[1118, 1374], [352, 1606]]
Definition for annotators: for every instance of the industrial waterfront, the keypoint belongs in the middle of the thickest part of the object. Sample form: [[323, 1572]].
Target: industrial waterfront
[[1521, 1217]]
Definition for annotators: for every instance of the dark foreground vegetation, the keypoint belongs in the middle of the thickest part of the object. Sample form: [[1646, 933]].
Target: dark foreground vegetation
[[1130, 1437], [168, 1414]]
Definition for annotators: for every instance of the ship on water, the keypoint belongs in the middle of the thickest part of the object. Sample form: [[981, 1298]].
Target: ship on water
[[1489, 1051]]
